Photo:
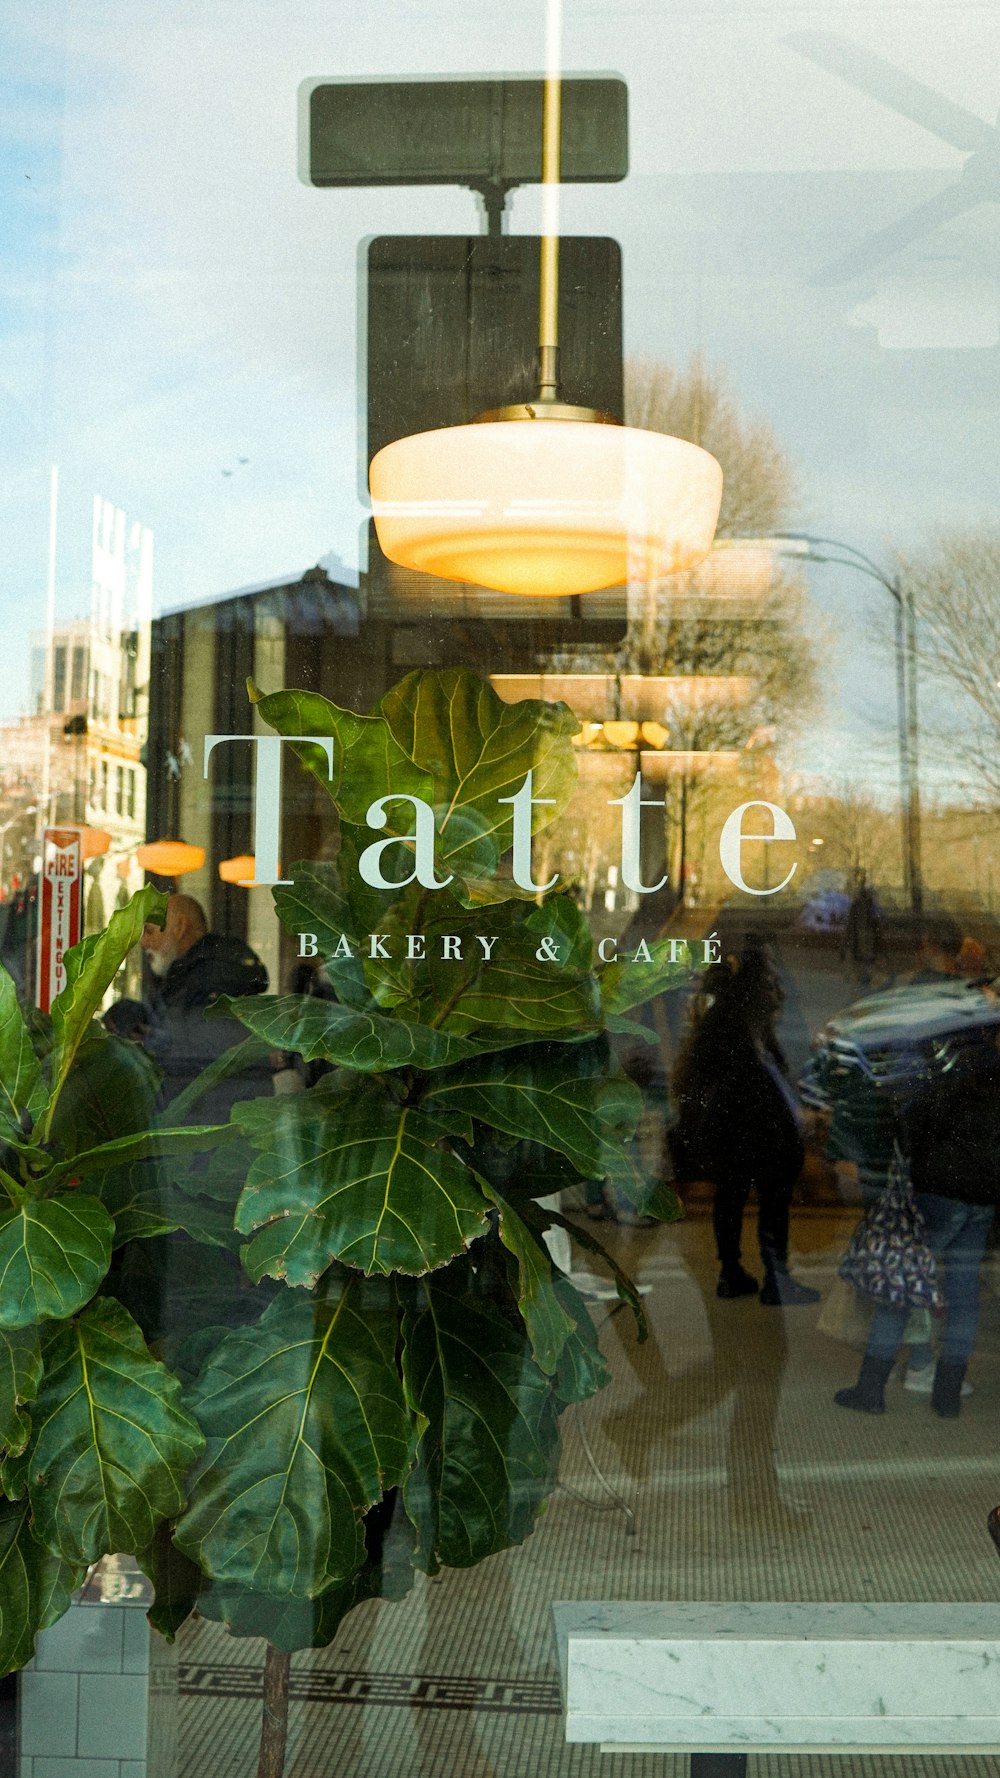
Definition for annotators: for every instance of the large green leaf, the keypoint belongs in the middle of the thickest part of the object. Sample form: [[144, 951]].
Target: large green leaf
[[35, 1586], [548, 1324], [541, 1219], [369, 1042], [239, 1058], [306, 1427], [554, 1097], [20, 1375], [488, 1456], [561, 921], [388, 982], [531, 982], [177, 1582], [286, 1623], [23, 1094], [629, 982], [368, 761], [293, 1624], [146, 1199], [141, 1145], [110, 1092], [53, 1254], [654, 1197], [477, 749], [91, 967], [582, 1369], [351, 1175], [220, 1175], [111, 1443], [315, 902]]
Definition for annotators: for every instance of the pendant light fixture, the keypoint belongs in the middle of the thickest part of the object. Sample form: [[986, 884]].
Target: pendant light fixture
[[94, 842], [544, 498], [239, 871], [170, 858]]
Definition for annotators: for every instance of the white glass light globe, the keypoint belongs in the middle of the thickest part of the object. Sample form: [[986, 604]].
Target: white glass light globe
[[545, 506]]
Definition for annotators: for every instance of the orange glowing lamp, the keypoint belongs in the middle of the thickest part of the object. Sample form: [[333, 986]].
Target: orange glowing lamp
[[170, 858], [240, 870], [621, 734]]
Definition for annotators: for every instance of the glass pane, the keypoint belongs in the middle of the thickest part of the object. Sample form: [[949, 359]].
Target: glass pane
[[515, 1156]]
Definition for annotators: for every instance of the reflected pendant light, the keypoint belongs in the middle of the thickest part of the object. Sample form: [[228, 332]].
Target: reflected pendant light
[[544, 498], [170, 858], [94, 841], [239, 871]]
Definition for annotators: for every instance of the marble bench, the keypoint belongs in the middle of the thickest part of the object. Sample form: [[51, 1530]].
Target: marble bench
[[721, 1680]]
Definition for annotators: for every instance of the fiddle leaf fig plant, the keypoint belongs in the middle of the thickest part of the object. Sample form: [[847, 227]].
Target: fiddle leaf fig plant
[[339, 1336], [95, 1443]]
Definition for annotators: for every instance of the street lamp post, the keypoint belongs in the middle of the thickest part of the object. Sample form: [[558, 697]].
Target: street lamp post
[[804, 545]]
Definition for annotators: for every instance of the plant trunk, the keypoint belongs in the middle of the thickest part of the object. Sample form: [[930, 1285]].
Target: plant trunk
[[274, 1721]]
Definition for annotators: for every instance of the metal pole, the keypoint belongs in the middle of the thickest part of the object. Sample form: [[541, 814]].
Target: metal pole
[[50, 624], [905, 793], [916, 874], [548, 293], [806, 545]]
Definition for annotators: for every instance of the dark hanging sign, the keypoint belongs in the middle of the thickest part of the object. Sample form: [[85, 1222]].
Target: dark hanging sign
[[480, 133], [453, 328], [453, 331]]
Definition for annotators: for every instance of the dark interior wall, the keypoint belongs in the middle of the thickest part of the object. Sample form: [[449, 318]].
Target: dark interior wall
[[232, 767], [166, 680]]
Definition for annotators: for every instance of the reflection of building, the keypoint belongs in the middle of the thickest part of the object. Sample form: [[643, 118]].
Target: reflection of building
[[349, 643], [93, 711], [301, 632], [79, 756]]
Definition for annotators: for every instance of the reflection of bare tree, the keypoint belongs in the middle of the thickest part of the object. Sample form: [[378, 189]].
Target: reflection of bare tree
[[767, 646], [857, 834], [696, 403], [956, 588], [690, 628]]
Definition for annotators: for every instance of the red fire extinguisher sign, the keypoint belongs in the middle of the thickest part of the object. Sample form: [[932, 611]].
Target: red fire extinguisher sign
[[61, 924]]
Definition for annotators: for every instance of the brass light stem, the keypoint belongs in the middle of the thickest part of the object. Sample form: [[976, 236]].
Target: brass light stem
[[548, 279], [547, 404]]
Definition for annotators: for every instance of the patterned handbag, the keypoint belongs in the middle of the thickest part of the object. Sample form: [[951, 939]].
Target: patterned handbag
[[888, 1257]]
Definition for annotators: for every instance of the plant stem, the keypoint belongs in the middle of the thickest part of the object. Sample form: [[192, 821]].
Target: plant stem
[[274, 1720], [449, 1005], [16, 1193]]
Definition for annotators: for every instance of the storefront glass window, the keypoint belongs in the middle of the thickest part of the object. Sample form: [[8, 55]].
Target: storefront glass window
[[500, 1009]]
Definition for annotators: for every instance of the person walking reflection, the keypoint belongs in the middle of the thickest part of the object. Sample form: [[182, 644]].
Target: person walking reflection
[[739, 1124], [862, 944], [952, 1137]]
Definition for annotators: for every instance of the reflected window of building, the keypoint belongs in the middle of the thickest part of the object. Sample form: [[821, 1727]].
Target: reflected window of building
[[59, 677]]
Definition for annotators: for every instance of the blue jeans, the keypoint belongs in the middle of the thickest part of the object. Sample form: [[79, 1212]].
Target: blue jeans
[[956, 1235]]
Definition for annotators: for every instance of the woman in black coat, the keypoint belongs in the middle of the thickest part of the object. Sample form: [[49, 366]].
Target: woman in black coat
[[738, 1123], [951, 1134]]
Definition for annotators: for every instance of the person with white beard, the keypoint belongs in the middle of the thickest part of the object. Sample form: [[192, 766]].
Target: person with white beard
[[192, 968]]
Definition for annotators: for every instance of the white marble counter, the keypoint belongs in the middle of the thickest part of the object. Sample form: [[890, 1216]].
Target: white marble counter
[[781, 1676]]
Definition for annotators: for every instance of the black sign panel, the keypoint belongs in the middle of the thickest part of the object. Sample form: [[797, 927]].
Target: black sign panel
[[452, 332], [453, 328], [462, 132]]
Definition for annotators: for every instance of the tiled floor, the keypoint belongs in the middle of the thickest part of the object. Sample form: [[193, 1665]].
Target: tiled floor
[[746, 1483]]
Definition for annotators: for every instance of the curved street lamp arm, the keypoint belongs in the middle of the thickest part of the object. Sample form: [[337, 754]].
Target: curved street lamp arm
[[849, 558]]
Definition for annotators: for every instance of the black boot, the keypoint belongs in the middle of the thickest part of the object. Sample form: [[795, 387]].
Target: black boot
[[946, 1395], [866, 1396], [734, 1281], [781, 1291]]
